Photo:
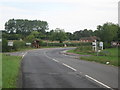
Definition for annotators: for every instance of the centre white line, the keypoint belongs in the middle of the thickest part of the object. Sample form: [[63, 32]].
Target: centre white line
[[98, 82], [69, 67], [79, 72]]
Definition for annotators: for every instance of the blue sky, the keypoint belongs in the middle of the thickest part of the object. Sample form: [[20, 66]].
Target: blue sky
[[70, 15]]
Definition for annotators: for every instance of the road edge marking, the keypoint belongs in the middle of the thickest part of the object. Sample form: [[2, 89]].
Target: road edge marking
[[98, 82], [24, 55]]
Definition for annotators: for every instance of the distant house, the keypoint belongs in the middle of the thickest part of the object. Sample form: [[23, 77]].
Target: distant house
[[89, 39]]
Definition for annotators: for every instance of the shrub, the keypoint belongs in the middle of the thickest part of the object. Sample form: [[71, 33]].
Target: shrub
[[18, 44], [86, 49], [107, 45], [5, 45]]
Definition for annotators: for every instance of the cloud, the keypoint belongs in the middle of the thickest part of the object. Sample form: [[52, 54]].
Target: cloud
[[70, 15]]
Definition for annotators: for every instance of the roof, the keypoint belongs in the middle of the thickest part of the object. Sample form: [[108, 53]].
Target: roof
[[92, 38]]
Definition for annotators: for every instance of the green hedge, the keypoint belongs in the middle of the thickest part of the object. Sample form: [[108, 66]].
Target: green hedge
[[5, 45], [107, 45], [18, 44], [86, 49], [62, 44]]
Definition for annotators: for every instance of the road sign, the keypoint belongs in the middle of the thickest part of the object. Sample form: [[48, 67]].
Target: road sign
[[10, 43], [0, 40], [101, 44], [28, 44], [94, 43]]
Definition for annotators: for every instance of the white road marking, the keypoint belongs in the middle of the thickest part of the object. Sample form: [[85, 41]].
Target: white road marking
[[50, 57], [47, 55], [80, 72], [98, 82], [55, 60], [24, 55], [69, 67]]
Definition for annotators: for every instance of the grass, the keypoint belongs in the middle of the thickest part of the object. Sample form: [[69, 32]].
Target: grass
[[22, 49], [76, 52], [107, 55], [10, 70], [102, 59]]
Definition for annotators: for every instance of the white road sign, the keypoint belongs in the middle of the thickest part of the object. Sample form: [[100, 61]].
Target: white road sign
[[28, 44], [101, 44], [10, 43]]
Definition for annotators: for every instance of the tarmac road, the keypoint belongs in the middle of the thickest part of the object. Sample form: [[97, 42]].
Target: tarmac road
[[48, 68]]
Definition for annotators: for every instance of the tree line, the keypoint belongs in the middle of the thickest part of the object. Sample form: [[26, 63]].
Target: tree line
[[28, 30]]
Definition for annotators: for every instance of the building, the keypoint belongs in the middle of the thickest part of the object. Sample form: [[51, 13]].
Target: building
[[89, 39]]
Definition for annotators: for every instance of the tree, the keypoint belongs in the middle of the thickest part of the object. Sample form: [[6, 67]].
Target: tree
[[118, 33], [30, 38], [69, 36], [5, 45], [82, 33], [25, 27], [35, 34], [59, 35], [108, 32]]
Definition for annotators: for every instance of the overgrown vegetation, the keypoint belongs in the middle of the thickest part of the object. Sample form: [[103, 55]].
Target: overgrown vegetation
[[10, 70]]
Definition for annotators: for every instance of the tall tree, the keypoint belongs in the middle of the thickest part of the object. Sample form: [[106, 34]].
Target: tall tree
[[108, 32], [25, 27], [58, 35]]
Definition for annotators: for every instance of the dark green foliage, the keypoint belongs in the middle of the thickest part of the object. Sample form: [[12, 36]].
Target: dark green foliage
[[82, 33], [18, 44], [86, 49], [107, 32], [107, 45], [5, 45], [24, 26], [62, 44], [58, 35]]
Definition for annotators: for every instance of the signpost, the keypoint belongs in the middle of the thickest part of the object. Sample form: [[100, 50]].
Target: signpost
[[94, 46], [97, 48], [10, 43], [28, 44], [101, 45]]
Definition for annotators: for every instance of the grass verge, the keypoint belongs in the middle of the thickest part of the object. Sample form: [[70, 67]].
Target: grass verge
[[107, 55], [10, 70], [102, 59]]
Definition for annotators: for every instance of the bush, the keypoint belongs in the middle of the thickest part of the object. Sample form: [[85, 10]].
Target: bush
[[18, 44], [86, 49], [5, 45], [107, 45], [41, 43], [78, 44]]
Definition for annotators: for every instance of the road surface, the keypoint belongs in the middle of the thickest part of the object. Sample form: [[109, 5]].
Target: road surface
[[48, 68]]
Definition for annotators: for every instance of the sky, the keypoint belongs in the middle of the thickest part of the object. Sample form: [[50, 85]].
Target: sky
[[70, 15]]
